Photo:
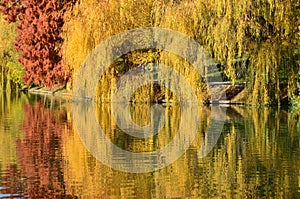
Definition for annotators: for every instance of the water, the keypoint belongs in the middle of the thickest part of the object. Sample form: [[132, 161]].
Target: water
[[43, 154]]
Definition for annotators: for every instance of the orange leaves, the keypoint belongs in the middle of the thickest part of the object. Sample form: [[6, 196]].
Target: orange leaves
[[39, 38]]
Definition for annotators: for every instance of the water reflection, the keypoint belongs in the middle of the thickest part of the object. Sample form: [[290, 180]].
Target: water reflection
[[257, 156], [145, 157], [43, 156], [37, 171], [11, 115], [39, 152]]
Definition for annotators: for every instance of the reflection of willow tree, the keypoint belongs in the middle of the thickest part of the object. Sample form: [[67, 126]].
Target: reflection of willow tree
[[87, 177], [256, 156], [141, 115], [39, 152], [11, 115]]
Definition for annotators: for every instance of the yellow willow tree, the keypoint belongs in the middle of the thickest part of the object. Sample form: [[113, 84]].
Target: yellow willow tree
[[264, 32]]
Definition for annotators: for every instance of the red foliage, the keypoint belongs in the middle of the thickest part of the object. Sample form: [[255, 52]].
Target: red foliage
[[39, 38]]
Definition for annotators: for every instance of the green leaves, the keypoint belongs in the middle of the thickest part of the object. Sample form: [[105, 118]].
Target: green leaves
[[10, 69]]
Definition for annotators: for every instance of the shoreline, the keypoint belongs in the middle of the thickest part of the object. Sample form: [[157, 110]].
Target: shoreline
[[224, 94]]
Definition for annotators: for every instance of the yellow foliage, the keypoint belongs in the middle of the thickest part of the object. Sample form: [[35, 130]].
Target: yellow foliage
[[228, 29], [10, 70]]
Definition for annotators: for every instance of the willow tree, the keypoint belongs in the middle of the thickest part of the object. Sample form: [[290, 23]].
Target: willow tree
[[265, 32], [91, 22]]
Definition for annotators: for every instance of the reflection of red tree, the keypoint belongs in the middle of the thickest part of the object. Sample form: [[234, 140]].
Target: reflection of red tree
[[10, 181], [39, 153]]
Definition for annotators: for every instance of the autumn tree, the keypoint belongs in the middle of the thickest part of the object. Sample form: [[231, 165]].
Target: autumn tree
[[39, 40], [11, 71], [263, 33]]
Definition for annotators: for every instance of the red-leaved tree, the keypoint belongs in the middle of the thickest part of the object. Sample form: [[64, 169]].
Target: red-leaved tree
[[39, 38]]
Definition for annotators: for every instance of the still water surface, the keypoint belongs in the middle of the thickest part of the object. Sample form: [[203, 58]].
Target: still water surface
[[43, 156]]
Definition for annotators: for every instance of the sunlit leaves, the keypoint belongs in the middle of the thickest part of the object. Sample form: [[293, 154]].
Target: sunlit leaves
[[38, 40], [265, 31], [10, 69]]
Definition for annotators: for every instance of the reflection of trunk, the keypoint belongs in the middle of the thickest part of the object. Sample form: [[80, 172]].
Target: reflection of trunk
[[2, 78]]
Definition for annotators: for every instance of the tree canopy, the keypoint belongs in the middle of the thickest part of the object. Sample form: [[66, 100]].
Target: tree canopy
[[264, 32], [38, 39], [11, 70]]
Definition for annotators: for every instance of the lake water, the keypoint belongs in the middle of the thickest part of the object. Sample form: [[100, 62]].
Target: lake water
[[49, 151]]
